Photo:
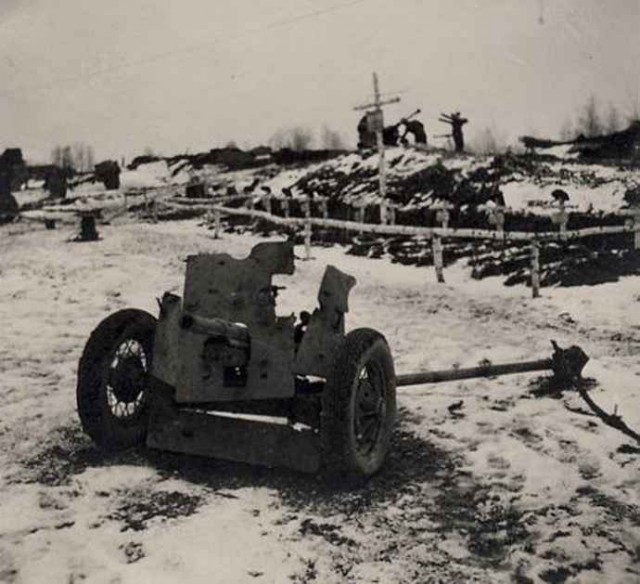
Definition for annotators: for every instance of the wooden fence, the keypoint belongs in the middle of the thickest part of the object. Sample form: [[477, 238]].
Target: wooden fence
[[215, 208], [435, 234]]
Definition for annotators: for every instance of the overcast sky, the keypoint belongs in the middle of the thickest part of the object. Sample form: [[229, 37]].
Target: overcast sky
[[172, 75]]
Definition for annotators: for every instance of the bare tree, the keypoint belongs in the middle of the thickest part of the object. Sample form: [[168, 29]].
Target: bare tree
[[297, 138], [567, 131], [67, 158], [78, 157], [90, 157], [56, 156], [301, 138], [633, 114], [278, 139], [332, 139], [589, 120], [614, 121], [488, 142]]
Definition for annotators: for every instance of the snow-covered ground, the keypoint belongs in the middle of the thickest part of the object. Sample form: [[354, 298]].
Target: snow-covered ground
[[513, 486]]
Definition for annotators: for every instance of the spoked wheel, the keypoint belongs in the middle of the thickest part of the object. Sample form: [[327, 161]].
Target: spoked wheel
[[370, 407], [126, 378], [112, 387], [359, 406]]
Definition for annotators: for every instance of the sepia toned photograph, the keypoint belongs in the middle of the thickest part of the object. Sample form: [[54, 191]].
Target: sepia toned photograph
[[320, 292]]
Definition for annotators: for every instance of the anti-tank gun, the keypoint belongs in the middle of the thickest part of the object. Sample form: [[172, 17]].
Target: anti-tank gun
[[209, 375]]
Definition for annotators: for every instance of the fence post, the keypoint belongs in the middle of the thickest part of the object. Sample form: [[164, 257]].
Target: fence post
[[360, 216], [497, 218], [285, 207], [307, 228], [442, 215], [269, 205], [561, 218], [384, 214], [535, 269], [324, 206], [437, 258], [216, 223], [392, 214]]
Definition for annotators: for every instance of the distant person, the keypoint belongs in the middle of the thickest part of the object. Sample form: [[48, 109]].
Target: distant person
[[416, 129], [391, 135], [366, 136], [108, 172], [8, 203], [456, 121]]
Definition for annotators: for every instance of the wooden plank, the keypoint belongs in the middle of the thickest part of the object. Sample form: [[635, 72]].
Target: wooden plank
[[307, 229]]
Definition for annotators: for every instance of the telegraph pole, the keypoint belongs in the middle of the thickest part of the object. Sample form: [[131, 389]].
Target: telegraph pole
[[375, 119]]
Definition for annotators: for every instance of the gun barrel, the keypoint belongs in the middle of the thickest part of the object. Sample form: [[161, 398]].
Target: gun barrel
[[236, 335], [415, 113], [471, 372], [566, 364]]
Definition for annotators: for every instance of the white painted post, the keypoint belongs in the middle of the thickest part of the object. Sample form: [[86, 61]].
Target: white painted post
[[498, 218], [307, 228], [392, 214], [535, 269], [216, 223], [285, 207], [360, 216], [384, 213], [375, 111], [437, 258], [324, 205], [561, 218], [442, 215], [269, 205], [563, 222]]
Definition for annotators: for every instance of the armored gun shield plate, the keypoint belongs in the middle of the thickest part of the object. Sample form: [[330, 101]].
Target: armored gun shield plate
[[218, 288]]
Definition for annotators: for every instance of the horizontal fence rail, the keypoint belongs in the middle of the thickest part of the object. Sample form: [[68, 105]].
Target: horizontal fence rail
[[435, 234], [427, 232], [216, 207]]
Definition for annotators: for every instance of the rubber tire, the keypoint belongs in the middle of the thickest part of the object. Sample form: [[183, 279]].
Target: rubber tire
[[106, 430], [341, 458]]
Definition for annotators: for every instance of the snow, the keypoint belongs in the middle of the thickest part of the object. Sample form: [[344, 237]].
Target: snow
[[525, 196], [153, 174], [451, 502], [564, 151]]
